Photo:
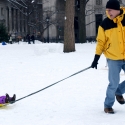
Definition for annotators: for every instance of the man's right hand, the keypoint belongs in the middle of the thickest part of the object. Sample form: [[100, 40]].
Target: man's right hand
[[95, 61]]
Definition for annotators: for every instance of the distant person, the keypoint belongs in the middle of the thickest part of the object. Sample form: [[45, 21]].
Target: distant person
[[33, 38], [24, 39], [10, 39], [28, 38]]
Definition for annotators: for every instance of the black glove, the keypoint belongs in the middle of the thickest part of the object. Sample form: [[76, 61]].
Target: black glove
[[95, 61]]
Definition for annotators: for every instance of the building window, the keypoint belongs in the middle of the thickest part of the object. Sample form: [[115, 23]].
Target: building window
[[2, 12], [98, 2], [77, 3]]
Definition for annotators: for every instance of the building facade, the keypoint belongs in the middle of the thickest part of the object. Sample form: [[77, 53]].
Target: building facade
[[95, 13], [12, 18], [50, 20], [18, 18]]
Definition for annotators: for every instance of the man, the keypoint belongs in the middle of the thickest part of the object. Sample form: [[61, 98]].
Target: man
[[10, 39], [28, 38], [33, 38], [111, 42]]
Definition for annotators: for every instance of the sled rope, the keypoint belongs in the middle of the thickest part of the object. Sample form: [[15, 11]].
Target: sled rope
[[51, 85]]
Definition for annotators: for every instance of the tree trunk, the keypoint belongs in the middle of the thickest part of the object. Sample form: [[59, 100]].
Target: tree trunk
[[69, 38], [82, 22]]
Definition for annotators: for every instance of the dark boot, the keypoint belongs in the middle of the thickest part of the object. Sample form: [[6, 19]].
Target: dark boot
[[109, 110], [12, 99], [7, 99], [120, 99]]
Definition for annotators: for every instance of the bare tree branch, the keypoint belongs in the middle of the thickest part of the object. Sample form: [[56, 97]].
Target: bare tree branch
[[90, 23]]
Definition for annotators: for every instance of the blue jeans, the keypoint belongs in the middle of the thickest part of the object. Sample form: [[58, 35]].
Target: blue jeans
[[114, 88]]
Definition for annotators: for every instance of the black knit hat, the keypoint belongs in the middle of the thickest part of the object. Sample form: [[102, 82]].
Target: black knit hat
[[113, 4]]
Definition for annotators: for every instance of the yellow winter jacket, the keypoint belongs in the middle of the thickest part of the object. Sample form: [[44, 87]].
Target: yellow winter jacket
[[111, 37]]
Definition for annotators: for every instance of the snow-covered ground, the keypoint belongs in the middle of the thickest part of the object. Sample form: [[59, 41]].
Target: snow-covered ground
[[78, 100]]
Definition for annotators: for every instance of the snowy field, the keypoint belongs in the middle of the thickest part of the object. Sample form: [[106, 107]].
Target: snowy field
[[25, 69]]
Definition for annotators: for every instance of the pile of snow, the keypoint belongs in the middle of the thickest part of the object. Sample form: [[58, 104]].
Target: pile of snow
[[47, 48]]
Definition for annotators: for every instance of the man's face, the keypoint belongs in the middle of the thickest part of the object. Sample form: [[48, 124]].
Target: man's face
[[112, 13]]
